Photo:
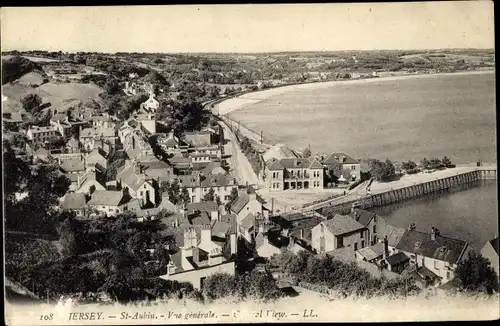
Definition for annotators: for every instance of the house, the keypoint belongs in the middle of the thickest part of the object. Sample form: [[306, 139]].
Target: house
[[72, 166], [490, 251], [213, 167], [398, 262], [67, 125], [137, 147], [108, 202], [393, 236], [202, 213], [127, 127], [151, 104], [88, 136], [134, 182], [338, 232], [342, 166], [293, 173], [97, 159], [198, 138], [182, 164], [200, 255], [199, 185], [75, 202], [12, 119], [299, 225], [374, 223], [41, 134], [42, 154], [371, 254], [278, 152], [171, 144], [103, 121], [248, 202], [435, 253], [157, 170], [264, 247], [90, 181], [73, 145]]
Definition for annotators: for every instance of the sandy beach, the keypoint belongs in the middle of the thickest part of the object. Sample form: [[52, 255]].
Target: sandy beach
[[236, 103]]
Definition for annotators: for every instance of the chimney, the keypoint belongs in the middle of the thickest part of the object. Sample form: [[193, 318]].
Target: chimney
[[433, 233], [386, 248], [206, 234], [184, 211], [233, 243]]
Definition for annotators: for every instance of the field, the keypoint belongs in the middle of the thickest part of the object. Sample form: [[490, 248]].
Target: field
[[396, 118], [56, 94], [34, 59]]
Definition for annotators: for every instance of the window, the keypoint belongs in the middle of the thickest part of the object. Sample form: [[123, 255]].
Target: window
[[144, 186], [362, 243], [141, 193], [374, 228], [362, 234], [355, 246], [322, 228], [436, 265], [353, 167], [448, 275]]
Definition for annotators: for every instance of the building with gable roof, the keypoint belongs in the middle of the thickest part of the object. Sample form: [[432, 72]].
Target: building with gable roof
[[137, 185], [434, 255], [90, 181], [490, 252], [75, 202], [41, 134], [341, 164], [338, 232], [90, 137], [248, 202], [198, 185], [293, 173], [67, 125], [108, 202], [201, 254], [375, 224]]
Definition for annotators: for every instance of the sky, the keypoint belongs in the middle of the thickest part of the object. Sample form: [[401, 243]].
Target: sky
[[250, 28]]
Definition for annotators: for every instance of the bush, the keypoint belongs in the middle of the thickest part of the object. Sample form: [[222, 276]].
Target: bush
[[15, 67]]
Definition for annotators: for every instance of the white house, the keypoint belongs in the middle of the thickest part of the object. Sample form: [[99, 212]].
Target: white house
[[432, 253]]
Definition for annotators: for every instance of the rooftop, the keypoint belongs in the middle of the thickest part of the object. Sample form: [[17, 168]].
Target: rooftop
[[362, 216], [336, 157], [370, 253], [243, 199], [442, 248], [106, 198], [397, 258], [74, 200], [341, 224]]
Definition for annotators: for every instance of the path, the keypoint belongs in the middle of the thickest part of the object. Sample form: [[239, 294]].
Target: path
[[241, 168]]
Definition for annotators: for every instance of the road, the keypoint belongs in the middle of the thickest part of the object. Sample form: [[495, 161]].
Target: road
[[241, 168]]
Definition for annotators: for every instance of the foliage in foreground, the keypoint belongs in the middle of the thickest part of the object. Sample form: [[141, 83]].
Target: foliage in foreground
[[254, 285], [475, 274], [345, 278]]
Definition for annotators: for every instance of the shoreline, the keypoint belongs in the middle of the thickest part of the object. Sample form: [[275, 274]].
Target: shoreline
[[227, 106]]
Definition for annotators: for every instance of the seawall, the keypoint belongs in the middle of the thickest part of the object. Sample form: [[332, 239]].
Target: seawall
[[410, 192]]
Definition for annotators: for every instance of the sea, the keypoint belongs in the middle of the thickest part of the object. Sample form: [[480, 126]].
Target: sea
[[452, 115]]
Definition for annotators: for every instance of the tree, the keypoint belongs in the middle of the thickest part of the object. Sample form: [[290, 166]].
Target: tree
[[382, 171], [232, 196], [476, 274], [306, 153], [410, 167], [425, 163], [184, 196], [210, 195], [31, 102], [446, 162], [112, 86], [17, 66], [435, 163]]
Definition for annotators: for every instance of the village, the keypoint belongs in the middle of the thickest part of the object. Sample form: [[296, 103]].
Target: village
[[192, 186]]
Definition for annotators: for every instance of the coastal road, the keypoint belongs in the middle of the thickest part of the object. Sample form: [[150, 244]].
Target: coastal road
[[241, 168]]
